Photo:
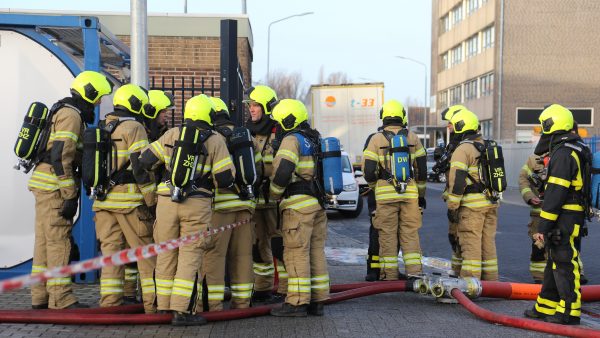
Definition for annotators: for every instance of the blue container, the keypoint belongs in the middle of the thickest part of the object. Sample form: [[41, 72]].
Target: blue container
[[332, 166], [400, 154]]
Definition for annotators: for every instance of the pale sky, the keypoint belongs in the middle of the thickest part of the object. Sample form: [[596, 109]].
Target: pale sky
[[357, 37]]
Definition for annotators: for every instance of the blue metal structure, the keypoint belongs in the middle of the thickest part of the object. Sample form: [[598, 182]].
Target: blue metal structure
[[81, 43]]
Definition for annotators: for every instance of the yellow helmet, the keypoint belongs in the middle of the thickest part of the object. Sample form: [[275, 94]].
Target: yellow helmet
[[158, 101], [91, 86], [464, 120], [220, 106], [199, 108], [556, 118], [289, 113], [450, 111], [393, 108], [131, 97], [263, 95]]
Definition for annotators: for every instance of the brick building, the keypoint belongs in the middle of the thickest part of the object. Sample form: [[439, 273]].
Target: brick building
[[507, 59]]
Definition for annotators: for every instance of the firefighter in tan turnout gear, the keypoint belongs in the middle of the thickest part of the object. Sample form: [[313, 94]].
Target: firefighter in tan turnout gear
[[468, 205], [531, 184], [131, 200], [563, 216], [304, 222], [186, 210], [261, 100], [398, 217], [56, 188], [234, 246]]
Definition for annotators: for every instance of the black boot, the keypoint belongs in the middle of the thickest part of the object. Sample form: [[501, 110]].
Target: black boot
[[583, 280], [187, 319], [534, 314], [78, 305], [261, 296], [372, 276], [40, 306], [316, 308], [288, 310], [130, 300], [562, 319]]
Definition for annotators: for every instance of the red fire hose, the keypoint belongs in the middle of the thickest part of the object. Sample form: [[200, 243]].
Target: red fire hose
[[521, 291], [522, 323]]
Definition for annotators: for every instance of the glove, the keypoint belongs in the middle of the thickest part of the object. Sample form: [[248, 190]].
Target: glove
[[453, 215], [152, 210], [422, 203], [69, 208], [584, 230]]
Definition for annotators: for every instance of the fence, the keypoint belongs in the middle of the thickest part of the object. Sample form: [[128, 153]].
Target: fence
[[183, 88]]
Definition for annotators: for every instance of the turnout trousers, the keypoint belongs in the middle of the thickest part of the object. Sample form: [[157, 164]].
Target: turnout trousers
[[477, 240], [304, 236], [115, 231], [51, 249]]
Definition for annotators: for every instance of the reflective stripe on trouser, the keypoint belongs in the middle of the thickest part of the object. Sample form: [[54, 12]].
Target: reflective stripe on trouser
[[561, 289], [456, 260], [538, 255], [115, 231], [304, 236], [282, 277], [51, 249], [477, 239], [131, 281], [236, 247], [265, 221], [398, 222], [373, 251], [181, 266]]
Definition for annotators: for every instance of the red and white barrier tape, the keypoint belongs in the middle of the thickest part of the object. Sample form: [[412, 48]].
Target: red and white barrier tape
[[120, 258]]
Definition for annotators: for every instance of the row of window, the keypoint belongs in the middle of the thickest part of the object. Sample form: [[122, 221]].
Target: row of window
[[472, 46], [472, 89], [458, 13]]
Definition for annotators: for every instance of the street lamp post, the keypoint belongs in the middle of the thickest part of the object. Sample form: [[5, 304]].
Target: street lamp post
[[269, 37], [424, 97]]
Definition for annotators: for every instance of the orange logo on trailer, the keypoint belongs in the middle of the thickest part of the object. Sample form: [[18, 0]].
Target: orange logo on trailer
[[330, 101]]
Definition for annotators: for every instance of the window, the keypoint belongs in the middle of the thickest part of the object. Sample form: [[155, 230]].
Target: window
[[456, 14], [456, 55], [529, 116], [488, 37], [443, 99], [471, 90], [445, 63], [487, 84], [444, 24], [346, 166], [472, 46], [487, 128], [456, 95], [472, 6]]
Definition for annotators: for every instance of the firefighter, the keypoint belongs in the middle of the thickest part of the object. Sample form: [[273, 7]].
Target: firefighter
[[155, 122], [235, 247], [121, 217], [176, 270], [444, 164], [531, 185], [304, 221], [55, 186], [261, 100], [468, 205], [398, 217], [563, 216]]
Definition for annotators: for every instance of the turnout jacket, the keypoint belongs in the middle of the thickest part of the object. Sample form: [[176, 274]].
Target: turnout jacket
[[563, 192], [290, 167], [218, 167], [264, 155], [527, 188], [63, 154], [463, 180], [129, 138], [377, 161]]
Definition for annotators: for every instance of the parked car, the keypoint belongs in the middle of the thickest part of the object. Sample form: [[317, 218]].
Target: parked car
[[348, 202], [431, 175]]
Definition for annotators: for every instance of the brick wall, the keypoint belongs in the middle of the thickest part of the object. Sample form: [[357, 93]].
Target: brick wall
[[550, 56], [190, 58]]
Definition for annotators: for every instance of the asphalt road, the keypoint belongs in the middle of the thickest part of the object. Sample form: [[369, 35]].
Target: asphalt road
[[512, 242]]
